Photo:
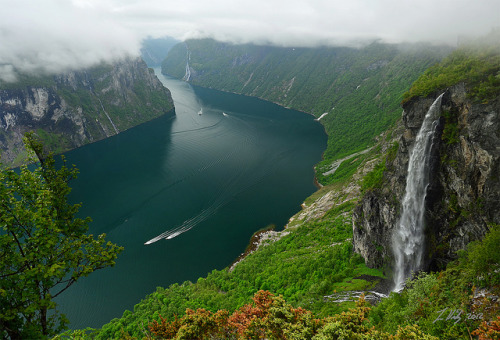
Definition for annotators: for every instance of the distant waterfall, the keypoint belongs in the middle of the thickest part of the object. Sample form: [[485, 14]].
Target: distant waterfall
[[187, 75], [408, 236], [102, 106], [107, 115]]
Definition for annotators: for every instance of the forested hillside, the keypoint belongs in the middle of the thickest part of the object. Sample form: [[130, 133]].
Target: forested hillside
[[308, 261], [452, 304], [356, 92], [312, 264], [79, 107]]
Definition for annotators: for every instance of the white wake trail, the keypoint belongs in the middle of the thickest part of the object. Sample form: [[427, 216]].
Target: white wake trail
[[224, 195]]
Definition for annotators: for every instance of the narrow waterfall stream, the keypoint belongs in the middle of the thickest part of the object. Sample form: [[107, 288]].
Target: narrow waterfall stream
[[408, 236]]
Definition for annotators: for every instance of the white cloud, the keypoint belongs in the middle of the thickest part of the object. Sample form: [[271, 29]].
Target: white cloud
[[55, 35], [310, 22]]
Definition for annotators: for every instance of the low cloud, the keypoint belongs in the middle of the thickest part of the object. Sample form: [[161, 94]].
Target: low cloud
[[312, 22], [52, 36]]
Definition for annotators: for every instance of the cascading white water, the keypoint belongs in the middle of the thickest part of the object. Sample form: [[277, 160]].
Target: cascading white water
[[408, 236], [187, 75]]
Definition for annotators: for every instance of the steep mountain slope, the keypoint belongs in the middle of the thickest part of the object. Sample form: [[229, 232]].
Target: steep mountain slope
[[79, 107], [154, 51], [356, 92], [315, 263], [464, 168]]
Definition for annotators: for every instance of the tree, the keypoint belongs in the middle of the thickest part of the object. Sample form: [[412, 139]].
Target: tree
[[44, 248], [268, 317]]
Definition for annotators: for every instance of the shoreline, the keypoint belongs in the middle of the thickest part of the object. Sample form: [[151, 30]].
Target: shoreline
[[253, 245], [259, 235], [317, 184]]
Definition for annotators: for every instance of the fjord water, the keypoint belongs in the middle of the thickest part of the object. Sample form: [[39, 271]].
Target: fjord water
[[183, 195]]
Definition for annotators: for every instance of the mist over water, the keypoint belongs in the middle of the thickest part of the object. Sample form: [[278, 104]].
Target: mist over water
[[193, 187]]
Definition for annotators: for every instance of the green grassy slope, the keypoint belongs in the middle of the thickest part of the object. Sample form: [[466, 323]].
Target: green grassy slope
[[360, 89], [478, 67], [81, 105], [458, 303], [313, 258]]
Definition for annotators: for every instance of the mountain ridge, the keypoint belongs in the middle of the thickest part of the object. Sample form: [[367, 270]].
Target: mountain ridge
[[320, 253], [359, 89], [79, 107]]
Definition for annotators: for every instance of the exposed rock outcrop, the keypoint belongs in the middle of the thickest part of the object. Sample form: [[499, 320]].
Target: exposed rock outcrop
[[79, 107], [464, 192]]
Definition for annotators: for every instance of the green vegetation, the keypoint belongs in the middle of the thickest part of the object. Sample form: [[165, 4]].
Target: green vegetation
[[374, 179], [267, 317], [73, 110], [271, 317], [302, 266], [360, 89], [43, 247], [343, 173], [453, 303], [477, 66], [450, 131], [57, 142]]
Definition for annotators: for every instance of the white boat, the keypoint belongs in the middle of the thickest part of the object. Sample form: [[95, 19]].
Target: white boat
[[224, 114], [200, 112]]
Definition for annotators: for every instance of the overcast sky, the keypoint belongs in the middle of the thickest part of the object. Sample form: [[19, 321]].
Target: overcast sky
[[55, 35]]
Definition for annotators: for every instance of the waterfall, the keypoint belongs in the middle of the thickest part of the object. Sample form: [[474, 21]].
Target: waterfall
[[107, 115], [102, 106], [187, 75], [408, 236]]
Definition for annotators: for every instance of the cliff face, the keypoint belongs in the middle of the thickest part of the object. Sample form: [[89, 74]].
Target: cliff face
[[464, 190], [79, 107]]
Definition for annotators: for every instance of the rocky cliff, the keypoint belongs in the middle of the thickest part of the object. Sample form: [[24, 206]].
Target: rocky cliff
[[79, 107], [464, 191]]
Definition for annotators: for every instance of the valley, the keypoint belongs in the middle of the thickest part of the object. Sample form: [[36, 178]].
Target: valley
[[307, 274]]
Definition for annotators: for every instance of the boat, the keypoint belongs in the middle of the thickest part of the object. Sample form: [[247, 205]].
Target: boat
[[200, 112]]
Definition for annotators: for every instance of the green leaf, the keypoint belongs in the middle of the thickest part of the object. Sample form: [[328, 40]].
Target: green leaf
[[43, 246]]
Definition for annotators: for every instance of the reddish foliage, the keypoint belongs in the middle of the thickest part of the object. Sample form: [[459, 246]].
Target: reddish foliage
[[267, 317], [488, 330], [165, 329], [263, 300]]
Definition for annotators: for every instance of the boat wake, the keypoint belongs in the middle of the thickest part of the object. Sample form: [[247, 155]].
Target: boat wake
[[185, 226], [198, 129], [223, 198], [235, 184]]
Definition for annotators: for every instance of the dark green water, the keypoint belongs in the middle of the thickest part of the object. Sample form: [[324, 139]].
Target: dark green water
[[195, 187]]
